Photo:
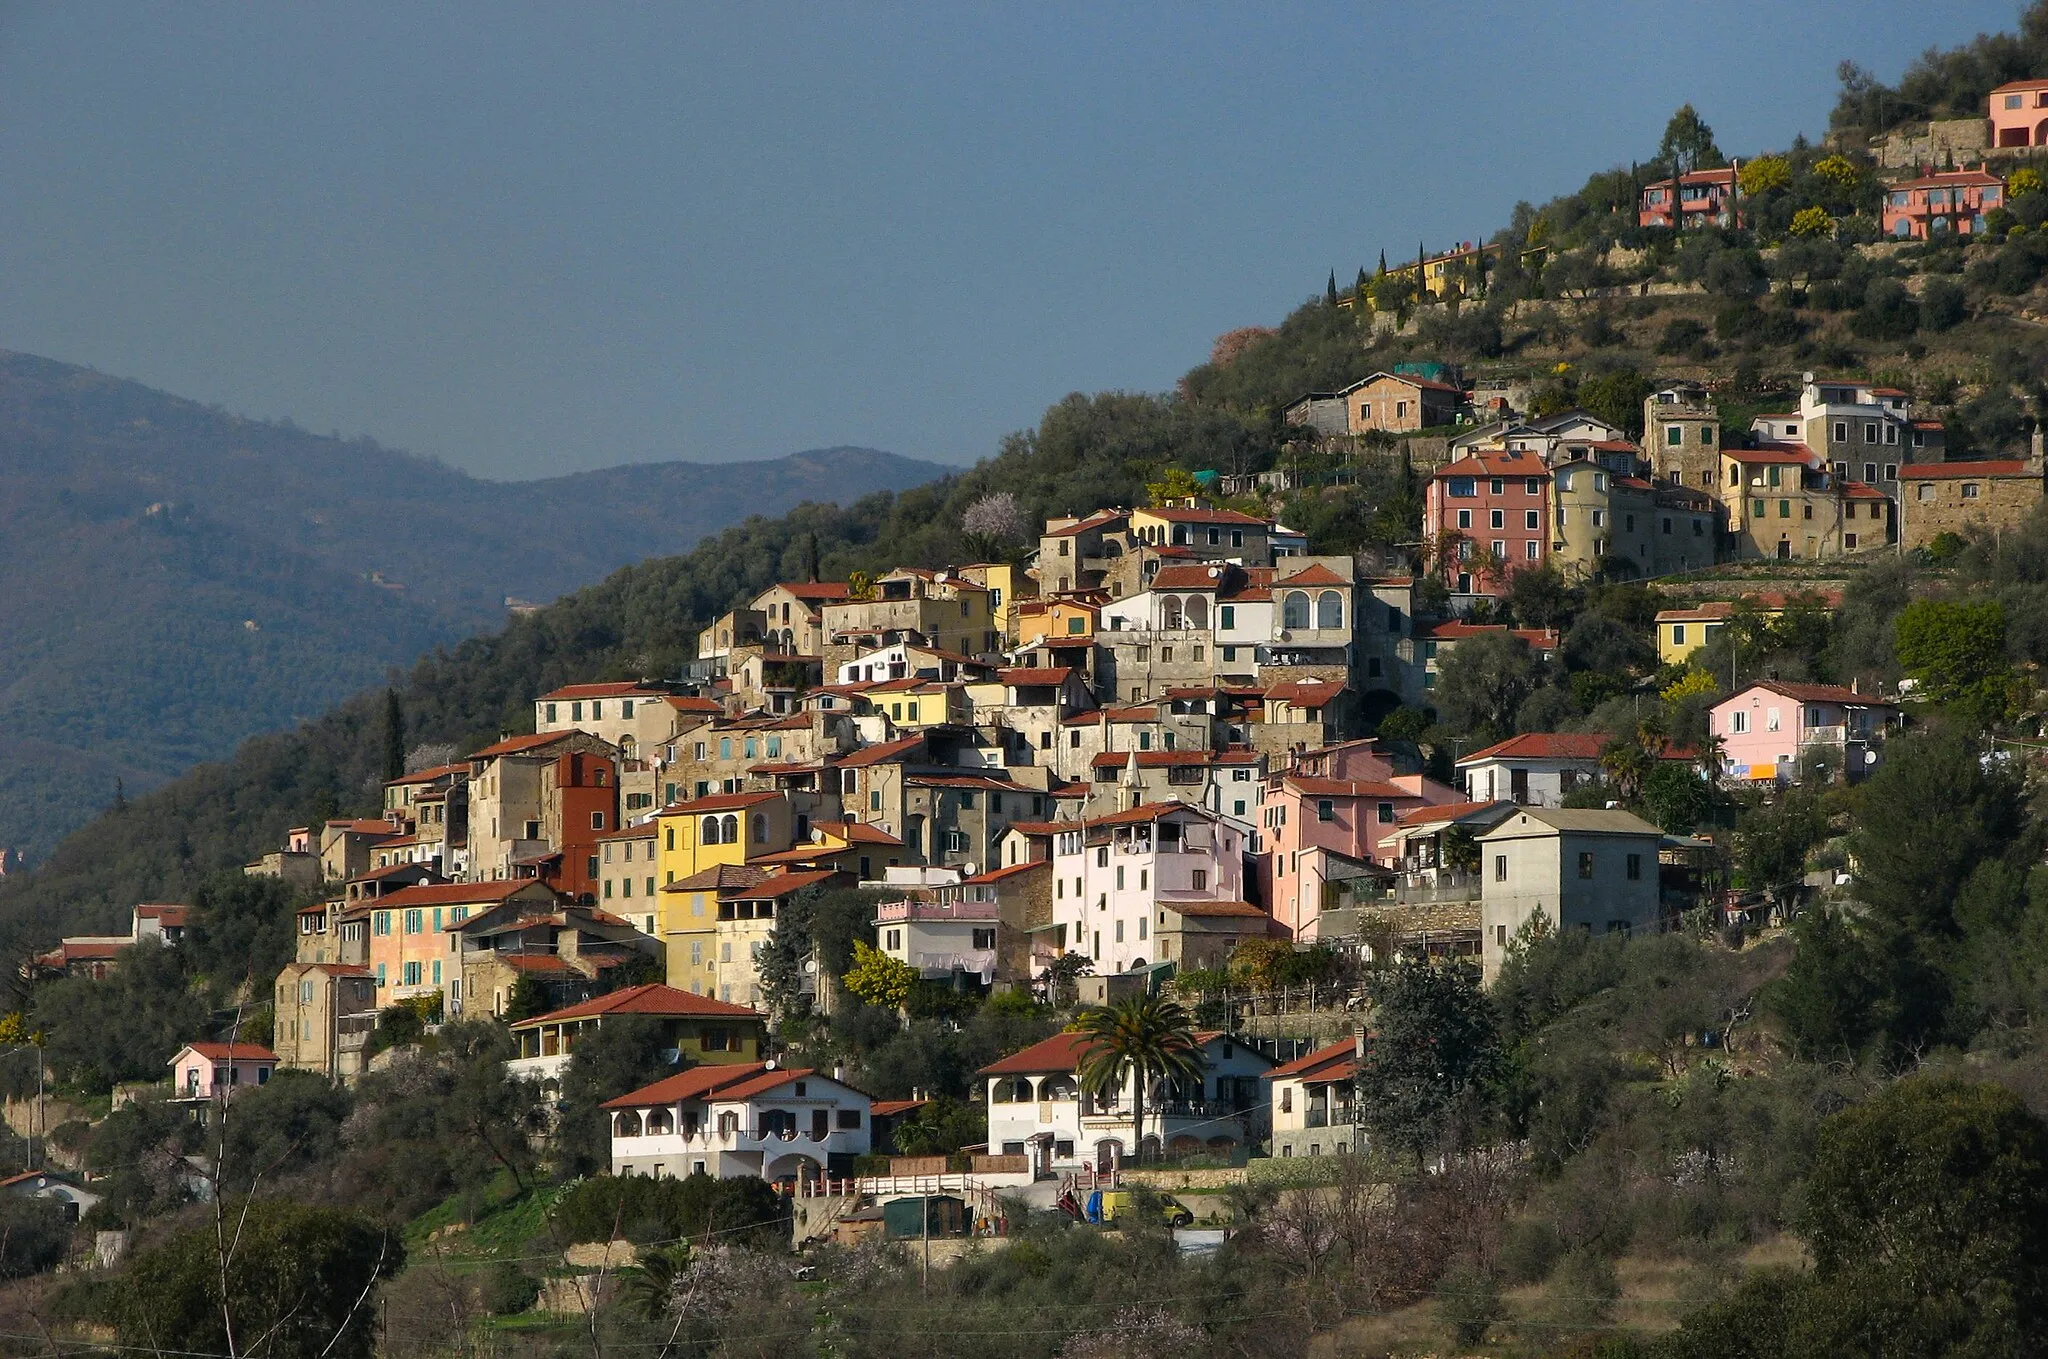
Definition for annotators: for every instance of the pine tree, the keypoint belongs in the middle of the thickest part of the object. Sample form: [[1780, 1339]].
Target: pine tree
[[394, 737]]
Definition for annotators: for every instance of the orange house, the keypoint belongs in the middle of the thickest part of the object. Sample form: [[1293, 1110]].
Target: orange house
[[2019, 114], [409, 953]]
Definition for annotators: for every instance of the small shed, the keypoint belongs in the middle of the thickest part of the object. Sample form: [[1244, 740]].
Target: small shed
[[910, 1219]]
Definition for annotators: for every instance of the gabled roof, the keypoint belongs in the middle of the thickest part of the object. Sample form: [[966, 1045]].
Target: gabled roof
[[438, 772], [458, 893], [651, 999], [719, 802], [1185, 516], [1347, 788], [1984, 467], [857, 833], [1066, 1052], [1034, 677], [741, 1081], [1494, 463], [1543, 745], [622, 689], [1316, 574], [880, 754], [1306, 693], [1442, 812], [1311, 1063], [822, 591], [718, 878], [1813, 693], [774, 886], [1945, 180], [1541, 638], [1599, 821], [1099, 519], [225, 1052], [1004, 874]]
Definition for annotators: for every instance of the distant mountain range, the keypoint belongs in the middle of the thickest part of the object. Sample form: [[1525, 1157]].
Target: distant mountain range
[[178, 577]]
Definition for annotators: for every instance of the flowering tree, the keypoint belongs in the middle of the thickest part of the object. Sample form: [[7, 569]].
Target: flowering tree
[[992, 523]]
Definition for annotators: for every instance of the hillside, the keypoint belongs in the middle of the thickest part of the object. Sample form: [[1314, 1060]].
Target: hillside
[[181, 578]]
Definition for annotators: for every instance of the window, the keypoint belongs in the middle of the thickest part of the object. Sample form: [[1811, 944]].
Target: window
[[1497, 519], [1841, 431], [1756, 509], [1923, 492], [1635, 868], [1326, 809], [1784, 509], [1738, 722], [1500, 868], [1199, 880], [1530, 520], [1891, 471], [1495, 486], [1969, 490], [1464, 519], [412, 974], [1870, 471], [1674, 435], [1586, 863], [1869, 432], [597, 820]]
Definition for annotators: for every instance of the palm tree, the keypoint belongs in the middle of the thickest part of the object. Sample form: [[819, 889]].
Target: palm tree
[[652, 1286], [1150, 1036]]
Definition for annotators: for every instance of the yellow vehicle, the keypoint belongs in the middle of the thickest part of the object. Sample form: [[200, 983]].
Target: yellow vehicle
[[1115, 1203]]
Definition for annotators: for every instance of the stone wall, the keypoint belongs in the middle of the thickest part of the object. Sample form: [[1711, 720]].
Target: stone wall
[[1169, 1180], [1949, 144], [2002, 503]]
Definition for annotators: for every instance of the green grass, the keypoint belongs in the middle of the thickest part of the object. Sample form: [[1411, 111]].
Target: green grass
[[507, 1219]]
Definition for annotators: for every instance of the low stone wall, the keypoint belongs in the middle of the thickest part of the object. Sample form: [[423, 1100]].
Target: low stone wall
[[1220, 1177]]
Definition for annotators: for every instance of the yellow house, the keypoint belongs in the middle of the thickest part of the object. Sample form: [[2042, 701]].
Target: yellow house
[[912, 703], [1681, 632], [1007, 587], [1067, 621], [708, 833], [702, 1029]]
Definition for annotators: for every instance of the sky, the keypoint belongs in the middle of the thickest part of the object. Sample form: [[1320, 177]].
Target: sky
[[531, 239]]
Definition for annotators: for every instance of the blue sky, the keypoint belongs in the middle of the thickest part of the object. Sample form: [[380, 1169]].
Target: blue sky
[[531, 239]]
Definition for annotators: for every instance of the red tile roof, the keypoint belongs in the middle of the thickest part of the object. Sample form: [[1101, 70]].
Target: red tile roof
[[1181, 516], [439, 771], [1541, 638], [1343, 1050], [1951, 178], [169, 915], [1317, 574], [517, 745], [718, 877], [1188, 577], [1004, 874], [651, 999], [231, 1052], [1061, 1052], [1043, 675], [774, 886], [1306, 693], [1507, 463], [1449, 811], [882, 753], [889, 1108], [719, 802], [459, 893], [1544, 745], [1814, 693], [621, 689], [857, 833], [1348, 788], [1987, 467], [716, 1083], [1203, 910], [824, 591], [1099, 519]]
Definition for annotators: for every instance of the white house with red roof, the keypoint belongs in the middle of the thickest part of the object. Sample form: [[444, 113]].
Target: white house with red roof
[[1534, 769], [702, 1030], [1113, 873], [209, 1070], [1768, 728], [1310, 1100], [1036, 1106], [753, 1119]]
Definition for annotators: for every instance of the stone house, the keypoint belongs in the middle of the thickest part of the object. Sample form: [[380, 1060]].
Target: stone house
[[1967, 497]]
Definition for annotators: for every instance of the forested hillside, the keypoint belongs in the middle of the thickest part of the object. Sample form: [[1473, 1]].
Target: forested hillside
[[180, 578]]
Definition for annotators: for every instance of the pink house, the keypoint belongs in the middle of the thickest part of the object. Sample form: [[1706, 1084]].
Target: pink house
[[2019, 114], [1115, 877], [1707, 198], [203, 1071], [1769, 727], [1339, 803], [1936, 204]]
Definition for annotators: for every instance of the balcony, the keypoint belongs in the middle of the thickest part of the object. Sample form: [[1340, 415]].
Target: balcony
[[1436, 888], [912, 912]]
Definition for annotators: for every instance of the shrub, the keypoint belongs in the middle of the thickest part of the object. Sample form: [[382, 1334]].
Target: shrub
[[1469, 1303], [1942, 305], [1684, 335], [647, 1209], [506, 1290]]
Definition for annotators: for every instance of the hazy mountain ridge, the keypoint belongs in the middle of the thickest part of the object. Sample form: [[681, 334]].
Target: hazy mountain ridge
[[181, 577]]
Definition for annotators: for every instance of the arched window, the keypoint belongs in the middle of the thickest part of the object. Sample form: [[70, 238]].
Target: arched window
[[626, 748], [1329, 609], [728, 1123], [710, 836], [660, 1122], [1294, 610], [1198, 612], [760, 829], [1169, 613], [627, 1124], [729, 829]]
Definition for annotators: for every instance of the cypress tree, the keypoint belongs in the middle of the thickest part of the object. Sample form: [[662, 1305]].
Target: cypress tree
[[394, 737], [1331, 295]]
